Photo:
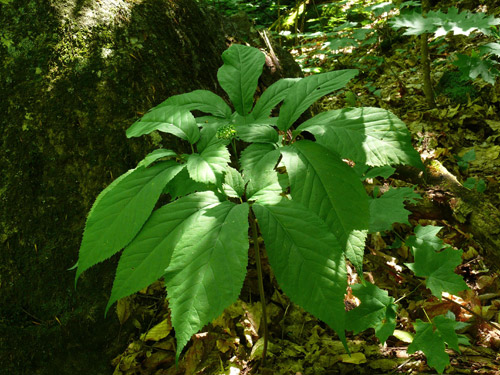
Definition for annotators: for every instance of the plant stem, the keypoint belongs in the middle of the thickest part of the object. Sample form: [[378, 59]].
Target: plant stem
[[426, 66], [253, 228], [233, 143]]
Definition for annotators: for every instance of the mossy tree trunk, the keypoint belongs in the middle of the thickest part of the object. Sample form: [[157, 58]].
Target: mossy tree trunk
[[74, 76]]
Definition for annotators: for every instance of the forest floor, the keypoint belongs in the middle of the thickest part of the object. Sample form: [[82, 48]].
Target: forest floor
[[463, 134]]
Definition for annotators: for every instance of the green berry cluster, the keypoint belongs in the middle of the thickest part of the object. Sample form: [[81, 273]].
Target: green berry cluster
[[226, 132]]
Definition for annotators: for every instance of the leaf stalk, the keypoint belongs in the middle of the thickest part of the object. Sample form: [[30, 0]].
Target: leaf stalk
[[253, 228]]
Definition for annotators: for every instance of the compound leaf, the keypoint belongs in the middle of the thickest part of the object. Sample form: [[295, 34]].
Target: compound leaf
[[202, 100], [147, 257], [306, 259], [415, 23], [207, 268], [264, 184], [377, 310], [255, 132], [389, 208], [474, 66], [167, 119], [440, 23], [182, 185], [437, 268], [273, 95], [120, 211], [323, 183], [257, 157], [267, 189], [233, 185], [490, 48], [372, 136], [306, 91], [208, 166], [240, 74], [155, 155]]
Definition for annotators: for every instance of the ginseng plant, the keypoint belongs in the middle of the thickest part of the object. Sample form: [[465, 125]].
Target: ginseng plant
[[308, 204]]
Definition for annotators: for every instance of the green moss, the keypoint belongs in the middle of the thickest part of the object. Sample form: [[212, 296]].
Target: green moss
[[73, 87]]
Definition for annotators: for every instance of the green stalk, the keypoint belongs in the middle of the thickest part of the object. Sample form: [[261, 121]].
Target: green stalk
[[233, 143], [424, 59], [253, 228]]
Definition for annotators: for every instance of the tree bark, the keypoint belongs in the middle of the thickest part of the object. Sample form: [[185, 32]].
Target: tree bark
[[75, 75]]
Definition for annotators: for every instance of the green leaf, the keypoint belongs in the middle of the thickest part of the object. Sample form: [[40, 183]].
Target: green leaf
[[403, 336], [439, 23], [120, 211], [384, 172], [431, 338], [233, 185], [273, 95], [155, 155], [306, 91], [202, 100], [426, 237], [377, 310], [415, 23], [372, 136], [208, 166], [389, 208], [475, 66], [437, 268], [306, 259], [240, 74], [490, 48], [146, 258], [207, 268], [167, 119], [211, 121], [463, 23], [209, 139], [265, 185], [268, 188], [182, 185], [257, 157], [255, 132], [323, 183]]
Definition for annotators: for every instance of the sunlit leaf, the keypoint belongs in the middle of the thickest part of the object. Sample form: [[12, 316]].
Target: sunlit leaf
[[389, 208], [167, 119], [377, 310], [273, 95], [306, 91], [437, 267], [431, 338], [306, 259], [240, 74], [323, 183], [120, 211], [202, 100], [147, 257], [372, 136], [207, 268]]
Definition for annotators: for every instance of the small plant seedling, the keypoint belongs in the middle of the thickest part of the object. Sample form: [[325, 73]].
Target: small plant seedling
[[463, 161], [475, 184], [307, 203]]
